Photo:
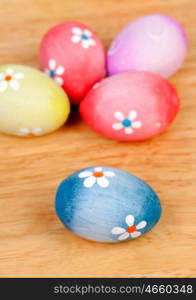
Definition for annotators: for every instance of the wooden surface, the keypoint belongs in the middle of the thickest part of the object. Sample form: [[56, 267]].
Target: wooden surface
[[32, 240]]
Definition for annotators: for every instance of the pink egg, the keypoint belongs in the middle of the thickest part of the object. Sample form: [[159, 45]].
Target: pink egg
[[132, 106], [153, 43], [74, 57]]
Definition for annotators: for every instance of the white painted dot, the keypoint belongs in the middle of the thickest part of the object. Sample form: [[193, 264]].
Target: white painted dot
[[113, 48], [158, 124], [158, 34], [96, 85]]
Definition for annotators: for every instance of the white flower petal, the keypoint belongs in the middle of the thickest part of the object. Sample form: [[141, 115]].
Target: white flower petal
[[130, 220], [119, 115], [18, 76], [136, 124], [60, 70], [14, 84], [96, 85], [87, 32], [132, 115], [135, 234], [26, 130], [85, 174], [9, 72], [77, 30], [3, 86], [109, 173], [37, 131], [141, 225], [2, 76], [118, 230], [47, 72], [123, 236], [89, 181], [52, 64], [128, 130], [75, 38], [85, 44], [92, 42], [98, 169], [158, 124], [103, 182], [58, 80], [117, 126], [23, 132]]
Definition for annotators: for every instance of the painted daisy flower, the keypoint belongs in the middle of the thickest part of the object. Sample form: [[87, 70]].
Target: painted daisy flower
[[55, 72], [82, 36], [10, 79], [131, 230], [98, 176], [28, 132], [129, 124]]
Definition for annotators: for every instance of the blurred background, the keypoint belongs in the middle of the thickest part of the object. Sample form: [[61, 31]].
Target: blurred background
[[32, 240]]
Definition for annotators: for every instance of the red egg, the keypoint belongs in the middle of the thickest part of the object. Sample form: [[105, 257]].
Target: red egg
[[132, 106], [74, 57]]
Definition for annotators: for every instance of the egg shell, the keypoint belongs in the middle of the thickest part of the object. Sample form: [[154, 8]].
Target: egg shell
[[107, 205], [152, 43], [131, 106], [31, 104], [73, 55]]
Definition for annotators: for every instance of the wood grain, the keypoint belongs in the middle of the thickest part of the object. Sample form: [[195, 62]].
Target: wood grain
[[32, 240]]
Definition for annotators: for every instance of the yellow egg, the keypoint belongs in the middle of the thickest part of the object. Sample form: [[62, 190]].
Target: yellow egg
[[31, 103]]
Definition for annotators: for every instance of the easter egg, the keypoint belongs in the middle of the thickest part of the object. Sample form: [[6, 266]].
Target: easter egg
[[107, 205], [153, 43], [131, 106], [31, 104], [73, 55]]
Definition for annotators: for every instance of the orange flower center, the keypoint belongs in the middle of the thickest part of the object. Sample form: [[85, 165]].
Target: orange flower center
[[8, 78], [131, 229], [98, 174]]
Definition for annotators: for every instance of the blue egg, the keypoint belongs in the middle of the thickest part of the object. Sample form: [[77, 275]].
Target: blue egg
[[107, 205]]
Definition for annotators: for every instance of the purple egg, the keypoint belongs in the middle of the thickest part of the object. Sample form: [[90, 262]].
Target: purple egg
[[153, 43]]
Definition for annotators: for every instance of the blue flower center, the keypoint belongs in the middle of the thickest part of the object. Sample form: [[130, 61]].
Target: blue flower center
[[126, 123], [52, 73], [84, 37]]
